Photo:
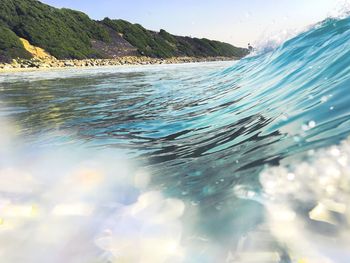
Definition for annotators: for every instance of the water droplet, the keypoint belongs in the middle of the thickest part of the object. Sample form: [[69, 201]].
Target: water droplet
[[297, 139], [331, 108], [312, 124], [290, 176], [324, 99]]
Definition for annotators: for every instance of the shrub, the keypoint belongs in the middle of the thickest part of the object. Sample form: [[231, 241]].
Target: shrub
[[10, 46]]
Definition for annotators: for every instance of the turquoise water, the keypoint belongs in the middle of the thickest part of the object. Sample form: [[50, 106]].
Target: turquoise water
[[199, 130]]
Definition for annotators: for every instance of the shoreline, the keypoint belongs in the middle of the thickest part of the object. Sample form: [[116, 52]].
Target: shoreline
[[23, 65]]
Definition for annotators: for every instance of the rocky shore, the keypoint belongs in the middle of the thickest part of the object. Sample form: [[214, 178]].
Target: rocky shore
[[46, 63]]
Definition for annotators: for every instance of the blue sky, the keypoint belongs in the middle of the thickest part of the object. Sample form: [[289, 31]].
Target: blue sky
[[234, 21]]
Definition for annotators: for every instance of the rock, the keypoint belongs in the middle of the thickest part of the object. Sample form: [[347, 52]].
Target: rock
[[69, 64], [129, 60]]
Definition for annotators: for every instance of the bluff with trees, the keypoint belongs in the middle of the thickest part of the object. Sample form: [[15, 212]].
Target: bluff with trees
[[70, 34]]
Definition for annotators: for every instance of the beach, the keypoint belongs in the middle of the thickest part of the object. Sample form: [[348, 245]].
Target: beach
[[18, 65]]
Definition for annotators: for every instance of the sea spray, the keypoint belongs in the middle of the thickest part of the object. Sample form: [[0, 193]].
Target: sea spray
[[306, 199], [307, 202], [72, 205]]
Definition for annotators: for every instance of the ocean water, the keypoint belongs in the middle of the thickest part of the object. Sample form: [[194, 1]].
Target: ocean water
[[242, 161]]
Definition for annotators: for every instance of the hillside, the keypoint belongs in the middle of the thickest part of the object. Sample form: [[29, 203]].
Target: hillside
[[69, 34]]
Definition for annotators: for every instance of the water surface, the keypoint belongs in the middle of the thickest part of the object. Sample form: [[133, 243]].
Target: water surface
[[200, 130]]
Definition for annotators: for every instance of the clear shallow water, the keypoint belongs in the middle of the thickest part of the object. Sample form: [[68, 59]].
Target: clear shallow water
[[200, 134]]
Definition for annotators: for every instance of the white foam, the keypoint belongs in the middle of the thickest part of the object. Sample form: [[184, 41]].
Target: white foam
[[73, 205], [308, 203]]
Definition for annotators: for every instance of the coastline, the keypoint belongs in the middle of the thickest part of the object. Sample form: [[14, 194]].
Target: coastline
[[34, 64]]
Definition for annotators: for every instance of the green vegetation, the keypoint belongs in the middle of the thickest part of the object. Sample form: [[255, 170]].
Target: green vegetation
[[66, 33], [208, 48], [168, 37], [63, 33], [148, 43], [163, 44], [10, 45]]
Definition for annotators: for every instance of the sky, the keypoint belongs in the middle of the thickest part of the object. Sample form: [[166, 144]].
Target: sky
[[234, 21]]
